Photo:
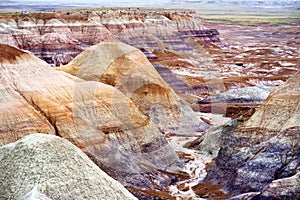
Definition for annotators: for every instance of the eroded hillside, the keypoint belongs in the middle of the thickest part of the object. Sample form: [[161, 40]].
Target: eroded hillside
[[124, 85]]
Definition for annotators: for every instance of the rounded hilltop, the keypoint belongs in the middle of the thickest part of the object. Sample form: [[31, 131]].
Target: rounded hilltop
[[9, 54]]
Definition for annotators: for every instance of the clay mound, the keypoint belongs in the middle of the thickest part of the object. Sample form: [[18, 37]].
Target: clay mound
[[41, 166], [281, 109], [127, 69], [263, 153], [96, 117]]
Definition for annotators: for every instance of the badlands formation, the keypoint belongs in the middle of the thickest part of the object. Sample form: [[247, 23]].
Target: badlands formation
[[127, 69], [136, 90], [203, 59], [96, 117], [261, 157], [45, 167]]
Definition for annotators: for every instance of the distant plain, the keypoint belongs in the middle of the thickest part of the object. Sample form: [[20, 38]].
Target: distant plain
[[230, 14]]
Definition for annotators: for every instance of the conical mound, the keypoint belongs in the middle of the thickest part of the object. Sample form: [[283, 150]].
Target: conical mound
[[127, 69], [44, 167]]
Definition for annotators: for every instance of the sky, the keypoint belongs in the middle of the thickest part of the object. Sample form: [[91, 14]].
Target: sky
[[56, 4], [88, 1], [98, 2], [39, 5]]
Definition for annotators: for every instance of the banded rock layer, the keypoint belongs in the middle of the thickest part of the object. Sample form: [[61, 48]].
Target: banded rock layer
[[127, 69], [263, 155], [96, 117], [58, 36]]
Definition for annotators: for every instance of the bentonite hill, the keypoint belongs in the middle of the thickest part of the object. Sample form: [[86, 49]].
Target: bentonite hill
[[136, 103]]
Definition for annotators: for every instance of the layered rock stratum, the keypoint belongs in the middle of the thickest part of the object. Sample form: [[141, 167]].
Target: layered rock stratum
[[203, 59], [57, 36], [261, 156], [96, 117], [128, 69], [41, 166], [218, 68]]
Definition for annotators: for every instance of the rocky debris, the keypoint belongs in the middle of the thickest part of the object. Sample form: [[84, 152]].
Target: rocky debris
[[45, 167], [127, 69], [264, 152], [97, 118]]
